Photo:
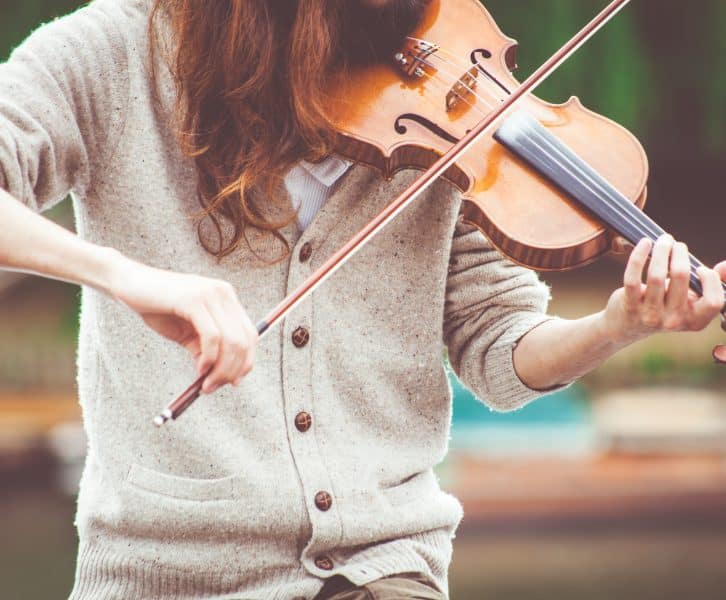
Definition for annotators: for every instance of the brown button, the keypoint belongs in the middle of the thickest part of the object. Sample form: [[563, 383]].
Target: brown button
[[324, 563], [306, 251], [300, 337], [323, 501], [303, 422]]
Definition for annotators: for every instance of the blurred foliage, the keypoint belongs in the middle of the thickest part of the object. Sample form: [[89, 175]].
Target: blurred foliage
[[17, 19], [657, 61]]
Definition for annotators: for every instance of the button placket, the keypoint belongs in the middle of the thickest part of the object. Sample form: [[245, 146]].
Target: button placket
[[306, 251], [301, 336], [303, 422], [324, 562], [323, 501], [297, 340]]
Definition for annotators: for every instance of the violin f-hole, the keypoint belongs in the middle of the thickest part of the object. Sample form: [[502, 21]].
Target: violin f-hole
[[424, 122]]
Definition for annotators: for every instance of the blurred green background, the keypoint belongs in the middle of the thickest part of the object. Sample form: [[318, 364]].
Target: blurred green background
[[615, 488]]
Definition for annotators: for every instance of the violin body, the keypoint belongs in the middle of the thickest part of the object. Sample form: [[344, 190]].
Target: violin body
[[408, 113]]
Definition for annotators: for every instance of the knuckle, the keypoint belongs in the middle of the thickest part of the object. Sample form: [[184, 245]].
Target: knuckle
[[656, 280], [632, 279], [673, 323], [679, 273], [715, 304], [632, 286], [665, 240], [652, 320], [237, 345]]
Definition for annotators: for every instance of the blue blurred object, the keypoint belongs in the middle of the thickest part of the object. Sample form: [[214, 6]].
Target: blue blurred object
[[559, 424]]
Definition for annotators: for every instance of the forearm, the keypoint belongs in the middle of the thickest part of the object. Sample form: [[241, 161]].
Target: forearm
[[33, 244], [560, 351]]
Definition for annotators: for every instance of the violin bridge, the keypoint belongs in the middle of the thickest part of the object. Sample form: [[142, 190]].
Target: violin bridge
[[413, 58], [462, 89]]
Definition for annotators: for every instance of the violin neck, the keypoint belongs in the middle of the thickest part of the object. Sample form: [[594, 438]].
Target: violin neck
[[532, 143]]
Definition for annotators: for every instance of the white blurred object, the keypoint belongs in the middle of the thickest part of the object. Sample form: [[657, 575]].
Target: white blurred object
[[661, 420], [68, 443]]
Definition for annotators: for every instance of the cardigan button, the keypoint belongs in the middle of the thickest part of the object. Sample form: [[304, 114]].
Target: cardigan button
[[323, 501], [303, 422], [306, 252], [324, 563], [300, 337]]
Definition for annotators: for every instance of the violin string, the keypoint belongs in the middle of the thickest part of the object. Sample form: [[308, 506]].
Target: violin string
[[455, 64], [444, 86], [489, 79], [453, 90], [631, 215], [437, 78], [642, 225], [457, 80], [627, 211]]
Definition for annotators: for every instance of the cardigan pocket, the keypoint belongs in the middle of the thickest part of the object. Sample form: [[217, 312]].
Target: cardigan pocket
[[412, 489], [181, 488]]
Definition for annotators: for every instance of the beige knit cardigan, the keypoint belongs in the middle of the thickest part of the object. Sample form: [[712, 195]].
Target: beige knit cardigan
[[221, 504]]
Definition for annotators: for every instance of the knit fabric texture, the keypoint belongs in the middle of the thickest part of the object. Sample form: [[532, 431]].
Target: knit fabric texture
[[221, 503]]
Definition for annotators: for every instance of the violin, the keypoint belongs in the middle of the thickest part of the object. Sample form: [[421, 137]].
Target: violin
[[553, 187]]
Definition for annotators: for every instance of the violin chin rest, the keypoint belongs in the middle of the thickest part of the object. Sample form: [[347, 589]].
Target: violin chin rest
[[719, 354]]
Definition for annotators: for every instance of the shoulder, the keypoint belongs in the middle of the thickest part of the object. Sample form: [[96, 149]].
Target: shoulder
[[100, 25]]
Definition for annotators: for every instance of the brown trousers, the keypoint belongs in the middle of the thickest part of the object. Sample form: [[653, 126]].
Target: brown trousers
[[406, 586]]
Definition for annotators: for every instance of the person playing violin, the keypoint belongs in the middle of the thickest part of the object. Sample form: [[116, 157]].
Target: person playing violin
[[311, 475]]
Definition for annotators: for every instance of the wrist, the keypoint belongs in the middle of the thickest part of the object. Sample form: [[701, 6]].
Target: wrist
[[614, 331], [114, 267]]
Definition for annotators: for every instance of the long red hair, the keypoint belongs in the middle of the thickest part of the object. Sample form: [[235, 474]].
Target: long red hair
[[251, 78]]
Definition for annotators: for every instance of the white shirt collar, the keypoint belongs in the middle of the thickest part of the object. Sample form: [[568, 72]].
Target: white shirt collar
[[327, 171]]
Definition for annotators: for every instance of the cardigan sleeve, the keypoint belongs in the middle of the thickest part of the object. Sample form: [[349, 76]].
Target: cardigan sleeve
[[62, 92], [491, 303]]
